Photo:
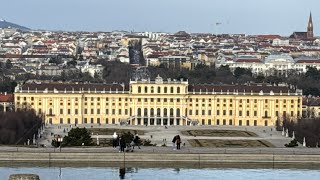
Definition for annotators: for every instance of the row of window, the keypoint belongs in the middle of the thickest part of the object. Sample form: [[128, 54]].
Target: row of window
[[159, 90], [158, 112], [240, 123], [165, 99], [165, 112], [146, 121], [92, 111], [85, 121]]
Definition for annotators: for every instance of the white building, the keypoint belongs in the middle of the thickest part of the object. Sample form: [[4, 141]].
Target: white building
[[280, 42], [280, 65]]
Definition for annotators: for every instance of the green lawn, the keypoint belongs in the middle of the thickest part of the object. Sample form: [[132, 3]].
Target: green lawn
[[219, 133], [218, 143]]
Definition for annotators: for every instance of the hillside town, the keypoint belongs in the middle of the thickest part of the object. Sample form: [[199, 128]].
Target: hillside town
[[45, 53]]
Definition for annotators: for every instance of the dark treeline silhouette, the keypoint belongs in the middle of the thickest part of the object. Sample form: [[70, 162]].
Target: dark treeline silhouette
[[119, 72], [17, 127], [7, 86], [308, 128], [115, 71]]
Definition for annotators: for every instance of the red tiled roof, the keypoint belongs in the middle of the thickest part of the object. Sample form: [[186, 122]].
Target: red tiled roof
[[313, 101], [6, 98], [308, 61], [269, 36], [75, 87]]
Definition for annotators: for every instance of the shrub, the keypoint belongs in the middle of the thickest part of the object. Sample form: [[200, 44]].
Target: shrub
[[76, 137], [293, 143]]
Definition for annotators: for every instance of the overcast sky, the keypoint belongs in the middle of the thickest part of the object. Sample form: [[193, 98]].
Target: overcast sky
[[236, 16]]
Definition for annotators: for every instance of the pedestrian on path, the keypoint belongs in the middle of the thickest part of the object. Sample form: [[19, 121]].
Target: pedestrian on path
[[122, 144], [114, 140], [178, 140], [136, 141], [174, 142]]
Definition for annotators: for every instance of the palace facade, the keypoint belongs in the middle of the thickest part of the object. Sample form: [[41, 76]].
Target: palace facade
[[160, 102]]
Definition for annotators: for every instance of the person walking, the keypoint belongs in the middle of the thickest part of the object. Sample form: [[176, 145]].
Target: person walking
[[136, 141], [174, 142], [122, 144], [114, 140], [178, 140]]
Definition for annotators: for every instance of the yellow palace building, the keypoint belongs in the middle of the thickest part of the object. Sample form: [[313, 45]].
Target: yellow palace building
[[160, 102]]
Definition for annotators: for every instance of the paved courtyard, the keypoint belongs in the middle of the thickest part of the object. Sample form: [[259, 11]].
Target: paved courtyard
[[161, 135]]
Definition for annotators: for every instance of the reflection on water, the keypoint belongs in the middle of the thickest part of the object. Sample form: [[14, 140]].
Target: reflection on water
[[122, 172]]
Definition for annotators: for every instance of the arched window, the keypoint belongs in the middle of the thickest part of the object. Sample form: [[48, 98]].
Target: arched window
[[152, 89], [178, 112], [145, 112], [171, 112], [139, 111], [165, 90], [139, 89], [158, 112], [171, 90], [151, 112], [178, 90], [165, 113], [266, 114], [146, 89], [159, 90]]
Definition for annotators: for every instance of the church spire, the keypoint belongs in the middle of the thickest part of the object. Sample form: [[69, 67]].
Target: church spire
[[310, 27]]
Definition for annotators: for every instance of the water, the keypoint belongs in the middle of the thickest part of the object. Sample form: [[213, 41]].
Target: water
[[98, 173]]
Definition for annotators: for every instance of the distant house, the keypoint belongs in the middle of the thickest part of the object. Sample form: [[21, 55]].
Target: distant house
[[49, 70], [6, 102], [311, 107]]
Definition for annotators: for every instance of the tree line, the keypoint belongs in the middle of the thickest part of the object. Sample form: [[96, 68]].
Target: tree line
[[115, 71], [304, 128], [17, 127]]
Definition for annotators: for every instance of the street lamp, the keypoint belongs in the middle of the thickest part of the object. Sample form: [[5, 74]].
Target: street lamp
[[59, 140]]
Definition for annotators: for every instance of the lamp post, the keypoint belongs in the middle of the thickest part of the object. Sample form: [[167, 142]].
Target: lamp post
[[59, 140]]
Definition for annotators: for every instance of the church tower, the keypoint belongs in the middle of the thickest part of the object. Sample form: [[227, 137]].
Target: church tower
[[310, 28]]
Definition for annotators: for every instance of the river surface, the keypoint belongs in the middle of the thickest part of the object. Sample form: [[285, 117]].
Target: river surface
[[98, 173]]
